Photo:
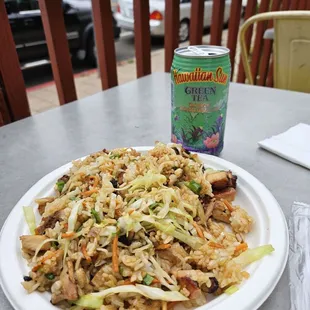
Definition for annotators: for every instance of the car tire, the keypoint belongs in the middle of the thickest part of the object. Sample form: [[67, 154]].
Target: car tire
[[91, 51], [184, 30]]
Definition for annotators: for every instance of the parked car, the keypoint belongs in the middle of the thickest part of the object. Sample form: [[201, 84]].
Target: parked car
[[124, 16], [25, 19]]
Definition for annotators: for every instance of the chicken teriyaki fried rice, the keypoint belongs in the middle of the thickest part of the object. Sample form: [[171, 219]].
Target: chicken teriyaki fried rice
[[127, 230]]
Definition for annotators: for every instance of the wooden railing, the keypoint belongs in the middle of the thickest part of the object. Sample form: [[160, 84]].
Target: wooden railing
[[13, 98]]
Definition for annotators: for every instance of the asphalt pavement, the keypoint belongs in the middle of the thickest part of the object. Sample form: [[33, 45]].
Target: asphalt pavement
[[124, 47]]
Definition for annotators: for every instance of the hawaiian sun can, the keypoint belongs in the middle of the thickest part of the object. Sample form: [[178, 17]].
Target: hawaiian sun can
[[200, 78]]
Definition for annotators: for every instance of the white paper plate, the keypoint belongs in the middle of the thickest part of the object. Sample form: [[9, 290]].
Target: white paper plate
[[270, 228]]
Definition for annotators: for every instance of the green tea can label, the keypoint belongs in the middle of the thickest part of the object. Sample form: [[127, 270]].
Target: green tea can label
[[200, 78]]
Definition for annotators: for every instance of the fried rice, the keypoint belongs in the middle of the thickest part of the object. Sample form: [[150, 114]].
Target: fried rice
[[126, 230]]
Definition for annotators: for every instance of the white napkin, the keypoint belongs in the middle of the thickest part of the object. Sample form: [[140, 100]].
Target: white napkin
[[293, 144]]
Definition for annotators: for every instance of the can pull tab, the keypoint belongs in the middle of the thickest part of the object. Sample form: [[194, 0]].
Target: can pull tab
[[197, 51]]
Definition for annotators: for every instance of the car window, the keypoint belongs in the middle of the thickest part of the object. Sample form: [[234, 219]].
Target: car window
[[27, 5], [185, 1], [11, 6]]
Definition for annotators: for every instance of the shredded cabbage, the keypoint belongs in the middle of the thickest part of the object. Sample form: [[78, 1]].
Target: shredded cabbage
[[95, 300], [90, 301], [30, 219], [190, 208], [168, 195], [40, 246], [182, 213], [74, 214], [158, 294], [147, 181], [201, 214], [108, 231], [193, 242], [127, 223], [252, 255], [163, 276], [231, 290], [136, 204]]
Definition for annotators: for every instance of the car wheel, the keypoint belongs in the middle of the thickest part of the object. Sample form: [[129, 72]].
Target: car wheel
[[184, 30], [91, 51]]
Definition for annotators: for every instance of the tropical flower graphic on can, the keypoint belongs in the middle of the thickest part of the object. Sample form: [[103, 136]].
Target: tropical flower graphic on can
[[199, 94]]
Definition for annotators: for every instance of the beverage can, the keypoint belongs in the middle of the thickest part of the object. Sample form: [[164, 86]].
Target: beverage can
[[200, 77]]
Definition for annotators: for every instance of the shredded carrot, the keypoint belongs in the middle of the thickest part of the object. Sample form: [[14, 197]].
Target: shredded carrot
[[215, 245], [155, 281], [199, 230], [84, 251], [241, 247], [245, 274], [36, 268], [89, 193], [163, 246], [95, 180], [131, 211], [66, 225], [68, 235], [127, 282], [115, 254], [44, 259], [228, 205]]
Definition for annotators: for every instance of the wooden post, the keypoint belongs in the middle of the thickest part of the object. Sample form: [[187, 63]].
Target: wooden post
[[217, 22], [303, 4], [4, 111], [1, 120], [142, 37], [264, 63], [233, 29], [58, 48], [249, 11], [104, 38], [172, 24], [294, 4], [286, 5], [10, 72], [196, 24], [258, 43]]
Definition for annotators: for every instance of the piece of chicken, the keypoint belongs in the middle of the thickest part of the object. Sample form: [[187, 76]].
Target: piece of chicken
[[69, 288], [222, 179], [208, 207], [220, 212], [30, 243], [98, 280], [42, 202], [48, 222], [191, 286], [175, 255], [228, 193]]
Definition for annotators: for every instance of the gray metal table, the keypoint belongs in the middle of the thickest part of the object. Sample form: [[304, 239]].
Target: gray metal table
[[138, 113]]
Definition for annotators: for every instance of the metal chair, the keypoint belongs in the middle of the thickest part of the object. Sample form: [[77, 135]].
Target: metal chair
[[291, 49]]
